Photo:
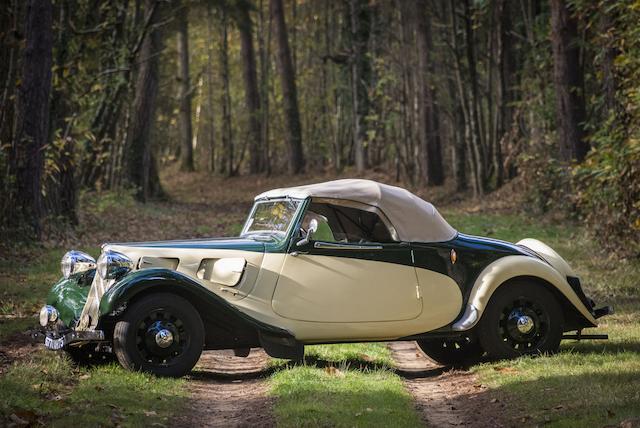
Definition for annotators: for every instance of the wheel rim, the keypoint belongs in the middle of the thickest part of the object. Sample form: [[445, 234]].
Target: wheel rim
[[524, 325], [161, 338]]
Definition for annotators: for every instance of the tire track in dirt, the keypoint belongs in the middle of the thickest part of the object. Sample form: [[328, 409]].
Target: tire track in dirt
[[445, 397], [228, 391]]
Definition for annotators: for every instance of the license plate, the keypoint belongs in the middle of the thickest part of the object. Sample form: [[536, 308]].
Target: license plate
[[54, 344]]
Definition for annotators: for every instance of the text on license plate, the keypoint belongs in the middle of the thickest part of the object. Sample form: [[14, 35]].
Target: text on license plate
[[54, 343]]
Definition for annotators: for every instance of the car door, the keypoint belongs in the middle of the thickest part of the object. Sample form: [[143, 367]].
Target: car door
[[344, 275]]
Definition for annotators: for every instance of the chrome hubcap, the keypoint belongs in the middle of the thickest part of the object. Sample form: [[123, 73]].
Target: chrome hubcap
[[525, 324], [164, 338]]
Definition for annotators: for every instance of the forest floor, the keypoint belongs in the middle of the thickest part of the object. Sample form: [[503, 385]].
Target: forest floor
[[586, 384]]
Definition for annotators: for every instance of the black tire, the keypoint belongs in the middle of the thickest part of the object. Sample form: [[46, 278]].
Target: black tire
[[87, 355], [514, 308], [459, 352], [138, 338]]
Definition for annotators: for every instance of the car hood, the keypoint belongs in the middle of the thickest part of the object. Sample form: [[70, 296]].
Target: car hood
[[242, 244]]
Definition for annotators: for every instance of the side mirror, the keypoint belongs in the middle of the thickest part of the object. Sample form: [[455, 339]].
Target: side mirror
[[313, 228]]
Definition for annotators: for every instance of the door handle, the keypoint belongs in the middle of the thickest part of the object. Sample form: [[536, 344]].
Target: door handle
[[297, 253], [341, 246]]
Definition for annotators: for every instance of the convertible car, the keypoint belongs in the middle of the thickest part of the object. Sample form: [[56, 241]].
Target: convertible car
[[341, 261]]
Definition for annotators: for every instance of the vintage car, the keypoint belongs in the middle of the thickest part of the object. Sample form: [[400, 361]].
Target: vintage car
[[341, 261]]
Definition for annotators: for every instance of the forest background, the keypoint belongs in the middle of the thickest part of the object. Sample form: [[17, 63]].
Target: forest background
[[99, 96]]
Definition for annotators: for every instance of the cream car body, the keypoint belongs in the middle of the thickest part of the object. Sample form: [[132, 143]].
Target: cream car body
[[343, 261]]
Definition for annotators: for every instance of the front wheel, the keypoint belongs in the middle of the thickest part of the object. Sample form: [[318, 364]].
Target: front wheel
[[522, 318], [160, 334], [462, 351]]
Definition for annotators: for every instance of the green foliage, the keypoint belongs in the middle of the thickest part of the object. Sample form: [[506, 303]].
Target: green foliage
[[608, 195]]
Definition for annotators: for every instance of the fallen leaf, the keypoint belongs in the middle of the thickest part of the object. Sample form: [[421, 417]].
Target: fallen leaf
[[506, 369], [494, 400], [18, 420], [84, 376], [150, 413], [559, 407], [365, 357], [332, 371], [369, 409], [630, 423]]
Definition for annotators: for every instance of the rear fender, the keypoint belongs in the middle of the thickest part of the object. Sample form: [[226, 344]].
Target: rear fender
[[510, 267]]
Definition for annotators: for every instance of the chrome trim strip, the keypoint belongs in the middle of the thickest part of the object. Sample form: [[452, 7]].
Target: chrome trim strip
[[341, 246]]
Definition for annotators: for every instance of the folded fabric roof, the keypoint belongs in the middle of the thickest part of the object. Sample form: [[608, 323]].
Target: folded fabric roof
[[414, 219]]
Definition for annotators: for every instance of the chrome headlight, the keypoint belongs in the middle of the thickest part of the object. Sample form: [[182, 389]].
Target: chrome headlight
[[75, 262], [48, 314], [112, 264]]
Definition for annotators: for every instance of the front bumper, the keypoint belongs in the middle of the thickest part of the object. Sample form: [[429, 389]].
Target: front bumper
[[55, 342]]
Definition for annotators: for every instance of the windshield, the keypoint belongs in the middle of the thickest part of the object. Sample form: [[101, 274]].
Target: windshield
[[271, 217]]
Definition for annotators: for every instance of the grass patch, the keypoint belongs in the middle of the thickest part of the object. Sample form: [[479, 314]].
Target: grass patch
[[48, 389], [342, 385], [587, 383]]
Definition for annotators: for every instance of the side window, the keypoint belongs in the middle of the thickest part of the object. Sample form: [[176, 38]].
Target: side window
[[346, 224]]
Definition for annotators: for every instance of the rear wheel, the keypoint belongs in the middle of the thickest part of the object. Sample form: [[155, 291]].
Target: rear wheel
[[161, 334], [461, 351], [522, 318]]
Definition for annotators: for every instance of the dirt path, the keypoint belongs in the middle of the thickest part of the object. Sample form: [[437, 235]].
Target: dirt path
[[445, 397], [228, 391]]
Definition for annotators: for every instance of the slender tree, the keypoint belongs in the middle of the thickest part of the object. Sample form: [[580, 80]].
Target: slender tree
[[140, 171], [32, 114], [568, 81], [289, 94], [210, 103], [252, 94], [226, 160], [61, 186], [360, 77], [184, 88], [428, 123]]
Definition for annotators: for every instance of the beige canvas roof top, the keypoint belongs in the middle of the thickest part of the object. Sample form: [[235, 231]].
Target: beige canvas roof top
[[414, 219]]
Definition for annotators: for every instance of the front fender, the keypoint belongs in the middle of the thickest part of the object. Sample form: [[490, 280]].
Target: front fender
[[207, 302], [509, 267]]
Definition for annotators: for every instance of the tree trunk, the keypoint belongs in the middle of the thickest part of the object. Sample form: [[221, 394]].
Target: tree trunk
[[31, 133], [288, 82], [360, 78], [568, 78], [252, 95], [431, 151], [264, 47], [140, 171], [475, 127], [211, 113], [61, 187], [184, 89], [226, 160]]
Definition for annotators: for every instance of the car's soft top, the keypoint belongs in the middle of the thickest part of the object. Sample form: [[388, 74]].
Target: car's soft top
[[414, 219]]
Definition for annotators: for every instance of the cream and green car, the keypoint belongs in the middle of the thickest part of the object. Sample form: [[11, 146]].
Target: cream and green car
[[341, 261]]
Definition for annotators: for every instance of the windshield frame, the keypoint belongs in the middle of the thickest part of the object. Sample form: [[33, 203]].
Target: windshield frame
[[272, 233]]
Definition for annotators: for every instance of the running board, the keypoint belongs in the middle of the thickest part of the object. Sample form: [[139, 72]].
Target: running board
[[580, 336]]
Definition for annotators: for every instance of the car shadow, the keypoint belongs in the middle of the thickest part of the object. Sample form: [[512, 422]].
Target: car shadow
[[600, 347]]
